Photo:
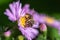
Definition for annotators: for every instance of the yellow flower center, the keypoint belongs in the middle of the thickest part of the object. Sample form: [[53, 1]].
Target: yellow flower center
[[49, 20], [22, 21], [26, 20]]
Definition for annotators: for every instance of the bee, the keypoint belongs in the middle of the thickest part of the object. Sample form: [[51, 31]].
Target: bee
[[30, 23], [29, 20]]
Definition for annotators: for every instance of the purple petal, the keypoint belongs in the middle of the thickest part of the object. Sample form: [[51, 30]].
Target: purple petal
[[22, 12], [38, 18], [12, 19], [18, 9], [26, 6], [13, 8], [34, 31], [35, 25], [25, 10], [32, 12], [10, 15], [17, 5], [56, 24], [29, 32]]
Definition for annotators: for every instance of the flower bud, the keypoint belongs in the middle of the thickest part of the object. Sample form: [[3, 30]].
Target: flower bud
[[43, 27], [20, 37], [7, 33]]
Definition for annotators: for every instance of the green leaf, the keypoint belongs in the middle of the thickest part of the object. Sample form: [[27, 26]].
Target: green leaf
[[52, 33], [41, 37]]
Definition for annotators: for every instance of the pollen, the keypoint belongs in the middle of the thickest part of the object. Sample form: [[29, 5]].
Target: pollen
[[22, 21]]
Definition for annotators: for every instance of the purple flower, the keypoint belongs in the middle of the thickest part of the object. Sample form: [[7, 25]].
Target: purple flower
[[52, 22], [24, 17], [28, 20]]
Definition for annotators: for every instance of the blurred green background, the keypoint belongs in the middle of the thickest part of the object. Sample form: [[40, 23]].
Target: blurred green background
[[48, 7]]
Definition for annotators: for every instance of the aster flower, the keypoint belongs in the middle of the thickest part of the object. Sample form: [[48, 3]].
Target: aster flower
[[52, 22], [42, 18], [24, 17], [28, 19]]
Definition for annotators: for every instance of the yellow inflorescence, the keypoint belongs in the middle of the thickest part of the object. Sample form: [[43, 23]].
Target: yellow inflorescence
[[22, 21], [49, 20]]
